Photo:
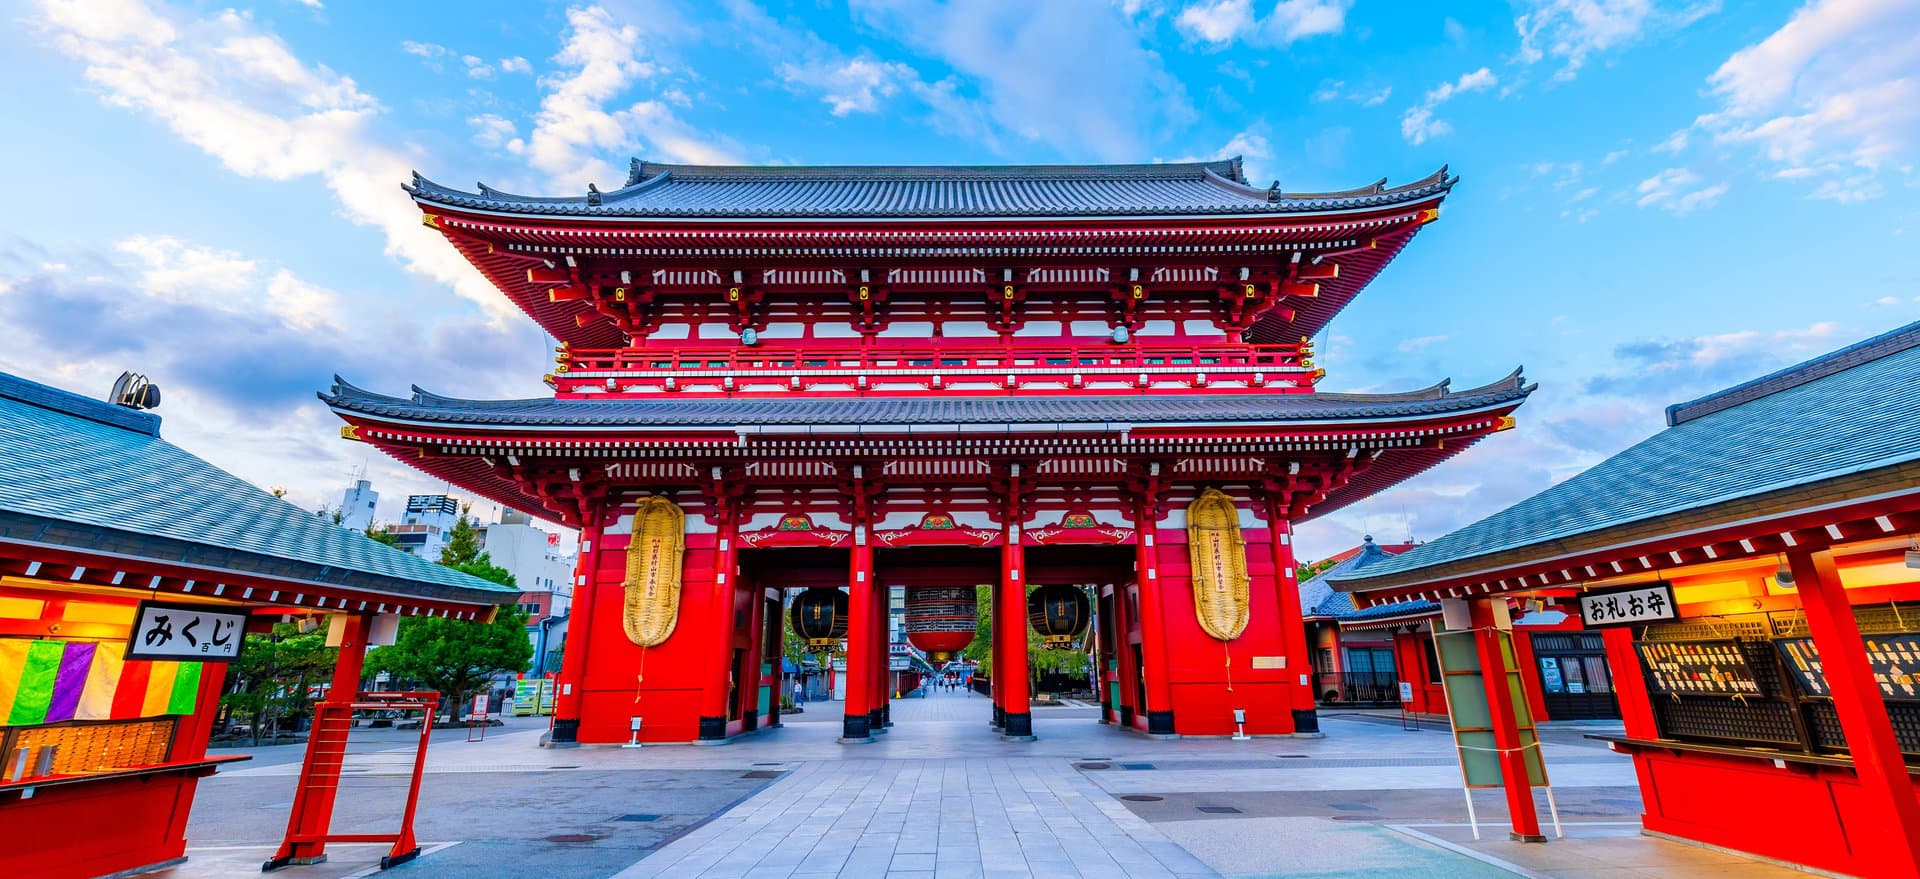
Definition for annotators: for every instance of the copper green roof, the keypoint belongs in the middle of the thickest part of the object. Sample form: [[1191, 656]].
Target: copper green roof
[[669, 191], [1851, 411], [90, 476]]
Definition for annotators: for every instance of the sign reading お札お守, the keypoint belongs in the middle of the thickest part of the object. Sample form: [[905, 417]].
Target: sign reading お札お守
[[1635, 604], [186, 631]]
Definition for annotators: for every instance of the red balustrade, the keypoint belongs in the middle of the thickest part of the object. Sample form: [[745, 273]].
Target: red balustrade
[[732, 368]]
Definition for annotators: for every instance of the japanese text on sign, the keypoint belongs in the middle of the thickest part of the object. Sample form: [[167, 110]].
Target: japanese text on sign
[[184, 631], [1619, 607]]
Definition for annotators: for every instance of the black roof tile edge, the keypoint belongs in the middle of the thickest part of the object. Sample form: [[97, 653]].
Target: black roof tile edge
[[13, 387], [1867, 351]]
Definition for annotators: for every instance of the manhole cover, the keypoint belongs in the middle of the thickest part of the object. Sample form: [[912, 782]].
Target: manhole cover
[[1353, 807], [572, 837], [1218, 810], [563, 767], [1136, 766], [1142, 798], [760, 773], [1348, 817], [638, 818], [1093, 765], [1292, 756]]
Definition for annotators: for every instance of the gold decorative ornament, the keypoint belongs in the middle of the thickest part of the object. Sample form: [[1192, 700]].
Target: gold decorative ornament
[[652, 584], [1006, 292], [619, 294], [733, 294], [1139, 292], [430, 221], [864, 292], [349, 431], [1218, 555]]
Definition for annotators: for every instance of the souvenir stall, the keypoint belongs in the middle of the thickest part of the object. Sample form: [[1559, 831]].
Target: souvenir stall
[[130, 572], [1755, 573]]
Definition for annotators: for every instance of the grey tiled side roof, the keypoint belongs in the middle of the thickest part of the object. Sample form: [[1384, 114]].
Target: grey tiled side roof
[[1096, 410], [1318, 598], [1862, 417], [656, 190], [65, 459]]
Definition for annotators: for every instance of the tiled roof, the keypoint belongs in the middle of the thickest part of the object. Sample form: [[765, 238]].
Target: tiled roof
[[656, 190], [1816, 423], [725, 412], [1319, 599], [66, 460]]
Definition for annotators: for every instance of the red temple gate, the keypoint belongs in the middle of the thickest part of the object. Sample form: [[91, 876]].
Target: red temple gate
[[868, 377]]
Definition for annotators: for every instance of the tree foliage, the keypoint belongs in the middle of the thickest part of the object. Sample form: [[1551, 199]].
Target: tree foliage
[[272, 679], [458, 657], [1039, 659]]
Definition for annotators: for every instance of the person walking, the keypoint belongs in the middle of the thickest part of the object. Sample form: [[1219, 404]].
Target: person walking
[[799, 692]]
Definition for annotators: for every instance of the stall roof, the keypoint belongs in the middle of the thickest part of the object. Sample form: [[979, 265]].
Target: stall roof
[[1319, 600], [1851, 411], [82, 475]]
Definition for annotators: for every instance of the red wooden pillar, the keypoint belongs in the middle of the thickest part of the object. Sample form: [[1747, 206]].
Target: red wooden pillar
[[1017, 718], [1629, 684], [326, 750], [1885, 787], [750, 678], [1153, 630], [776, 636], [570, 683], [881, 667], [1293, 630], [719, 633], [1494, 674], [1123, 651], [857, 725]]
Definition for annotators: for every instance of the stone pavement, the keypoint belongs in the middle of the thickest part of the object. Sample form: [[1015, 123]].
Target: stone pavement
[[939, 795]]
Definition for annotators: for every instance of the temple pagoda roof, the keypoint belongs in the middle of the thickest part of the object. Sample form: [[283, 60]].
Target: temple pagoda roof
[[91, 477], [1796, 439], [1092, 411], [709, 192]]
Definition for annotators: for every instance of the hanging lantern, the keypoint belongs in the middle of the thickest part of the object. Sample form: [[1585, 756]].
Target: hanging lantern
[[941, 620], [1060, 614], [819, 616]]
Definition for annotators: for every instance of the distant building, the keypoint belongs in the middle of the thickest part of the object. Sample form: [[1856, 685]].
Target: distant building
[[543, 575], [356, 506], [424, 527]]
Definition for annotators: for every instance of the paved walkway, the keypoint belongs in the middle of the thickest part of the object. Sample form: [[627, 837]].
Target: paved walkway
[[939, 796]]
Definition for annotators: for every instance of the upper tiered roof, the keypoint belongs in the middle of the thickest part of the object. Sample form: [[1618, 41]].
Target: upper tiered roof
[[896, 192]]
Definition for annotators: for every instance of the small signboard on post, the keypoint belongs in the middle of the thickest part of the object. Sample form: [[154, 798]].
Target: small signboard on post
[[1648, 603], [478, 718], [195, 632]]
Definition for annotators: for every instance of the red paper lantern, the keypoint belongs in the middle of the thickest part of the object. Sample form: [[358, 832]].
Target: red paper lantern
[[941, 620]]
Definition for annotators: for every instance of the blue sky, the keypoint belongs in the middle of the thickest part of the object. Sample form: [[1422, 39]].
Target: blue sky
[[1658, 199]]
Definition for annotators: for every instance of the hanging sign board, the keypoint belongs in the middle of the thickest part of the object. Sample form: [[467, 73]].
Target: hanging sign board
[[1647, 603], [186, 631]]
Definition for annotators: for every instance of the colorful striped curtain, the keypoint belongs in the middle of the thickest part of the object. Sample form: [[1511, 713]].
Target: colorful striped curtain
[[55, 681]]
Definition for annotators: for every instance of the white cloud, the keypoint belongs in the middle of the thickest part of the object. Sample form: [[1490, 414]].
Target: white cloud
[[516, 64], [1219, 22], [423, 50], [574, 131], [1419, 125], [850, 85], [1574, 30], [1250, 145], [1333, 90], [1678, 191], [239, 94], [1411, 345], [492, 131], [1837, 89], [1675, 142]]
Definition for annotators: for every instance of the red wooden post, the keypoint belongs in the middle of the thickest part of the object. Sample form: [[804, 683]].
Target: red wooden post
[[1629, 684], [856, 725], [882, 657], [1017, 723], [1293, 630], [1494, 665], [713, 692], [1123, 651], [570, 684], [1153, 630], [1885, 786], [326, 750], [750, 679]]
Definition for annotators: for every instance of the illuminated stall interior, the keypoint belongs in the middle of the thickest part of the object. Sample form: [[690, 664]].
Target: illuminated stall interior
[[1774, 706]]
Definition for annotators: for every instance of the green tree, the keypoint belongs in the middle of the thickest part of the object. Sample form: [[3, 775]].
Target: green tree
[[1039, 658], [458, 657], [273, 677], [381, 534]]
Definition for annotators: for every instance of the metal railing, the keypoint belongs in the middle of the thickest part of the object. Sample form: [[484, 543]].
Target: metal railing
[[1374, 688]]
